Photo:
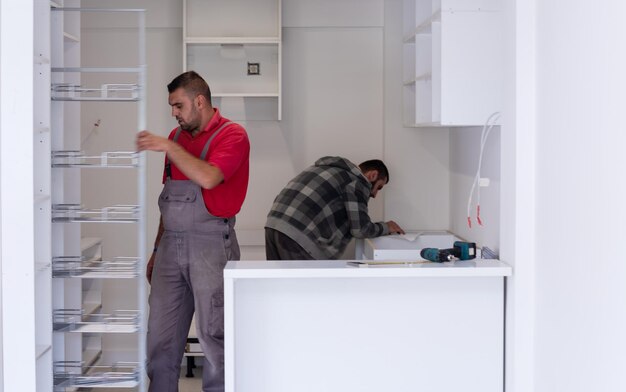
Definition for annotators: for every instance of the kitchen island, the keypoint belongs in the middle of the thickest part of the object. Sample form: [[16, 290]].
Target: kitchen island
[[341, 326]]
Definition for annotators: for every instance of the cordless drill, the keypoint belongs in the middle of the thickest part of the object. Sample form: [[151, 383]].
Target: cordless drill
[[461, 250]]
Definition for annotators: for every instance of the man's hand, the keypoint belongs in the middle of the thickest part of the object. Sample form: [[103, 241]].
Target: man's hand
[[394, 228], [148, 141], [150, 267]]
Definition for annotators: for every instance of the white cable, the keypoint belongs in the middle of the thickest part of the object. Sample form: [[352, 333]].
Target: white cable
[[483, 141], [489, 124]]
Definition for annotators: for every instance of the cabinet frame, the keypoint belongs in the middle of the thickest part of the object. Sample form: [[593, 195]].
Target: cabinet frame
[[77, 265]]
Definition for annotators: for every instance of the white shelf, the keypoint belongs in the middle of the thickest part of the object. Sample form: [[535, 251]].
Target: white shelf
[[77, 159], [68, 374], [97, 69], [233, 40], [76, 213], [77, 321], [244, 95], [107, 92], [120, 267], [220, 51], [79, 282]]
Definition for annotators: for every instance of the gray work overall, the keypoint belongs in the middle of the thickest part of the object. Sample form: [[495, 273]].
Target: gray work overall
[[188, 277]]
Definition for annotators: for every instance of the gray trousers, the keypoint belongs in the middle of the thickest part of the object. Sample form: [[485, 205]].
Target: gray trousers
[[188, 277], [280, 247]]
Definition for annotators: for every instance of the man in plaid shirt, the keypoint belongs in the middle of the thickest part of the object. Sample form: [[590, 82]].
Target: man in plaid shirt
[[321, 209]]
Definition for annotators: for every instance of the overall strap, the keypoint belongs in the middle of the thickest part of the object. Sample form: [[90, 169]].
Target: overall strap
[[168, 166], [206, 146]]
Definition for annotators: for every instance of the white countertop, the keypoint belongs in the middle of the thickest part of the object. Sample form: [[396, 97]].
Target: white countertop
[[346, 269]]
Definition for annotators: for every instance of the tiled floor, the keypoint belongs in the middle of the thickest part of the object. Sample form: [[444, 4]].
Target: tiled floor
[[193, 384]]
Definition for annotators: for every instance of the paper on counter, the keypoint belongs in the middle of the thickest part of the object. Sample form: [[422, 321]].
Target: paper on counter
[[408, 236]]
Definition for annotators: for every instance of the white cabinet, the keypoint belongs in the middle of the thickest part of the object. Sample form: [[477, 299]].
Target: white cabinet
[[42, 202], [453, 61], [79, 318], [426, 327], [236, 46]]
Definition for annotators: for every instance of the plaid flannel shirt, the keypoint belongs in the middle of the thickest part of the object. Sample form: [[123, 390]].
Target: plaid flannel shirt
[[324, 207]]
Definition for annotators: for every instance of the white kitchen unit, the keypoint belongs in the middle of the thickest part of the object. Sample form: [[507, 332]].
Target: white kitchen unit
[[236, 46], [453, 62], [332, 326], [403, 247], [75, 269]]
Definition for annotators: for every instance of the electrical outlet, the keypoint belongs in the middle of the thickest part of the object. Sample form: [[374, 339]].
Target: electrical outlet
[[254, 68], [483, 182]]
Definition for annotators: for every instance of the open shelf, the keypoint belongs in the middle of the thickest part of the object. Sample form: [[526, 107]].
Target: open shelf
[[71, 67], [223, 44], [74, 374], [232, 40], [76, 213], [114, 159], [76, 320], [115, 92], [78, 267]]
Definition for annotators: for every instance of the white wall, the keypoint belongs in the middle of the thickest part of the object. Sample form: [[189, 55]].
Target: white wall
[[464, 157], [580, 193], [342, 95], [332, 85], [418, 194], [332, 89]]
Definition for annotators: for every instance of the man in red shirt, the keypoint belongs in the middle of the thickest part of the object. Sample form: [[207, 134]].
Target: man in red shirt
[[206, 179]]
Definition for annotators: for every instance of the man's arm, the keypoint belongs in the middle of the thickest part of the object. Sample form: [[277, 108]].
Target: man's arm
[[202, 173], [361, 225]]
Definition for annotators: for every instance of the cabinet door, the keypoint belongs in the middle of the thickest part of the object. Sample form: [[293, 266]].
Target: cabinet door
[[470, 63], [455, 76]]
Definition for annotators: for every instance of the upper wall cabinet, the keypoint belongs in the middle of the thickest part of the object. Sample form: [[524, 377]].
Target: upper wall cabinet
[[236, 46], [453, 61]]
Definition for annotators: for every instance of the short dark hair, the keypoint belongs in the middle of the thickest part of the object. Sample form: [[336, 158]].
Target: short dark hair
[[193, 84], [378, 165]]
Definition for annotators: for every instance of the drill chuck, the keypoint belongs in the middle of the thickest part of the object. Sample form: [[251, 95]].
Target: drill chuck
[[437, 255]]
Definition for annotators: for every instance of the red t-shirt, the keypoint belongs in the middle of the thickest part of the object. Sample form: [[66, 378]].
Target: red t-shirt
[[230, 152]]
